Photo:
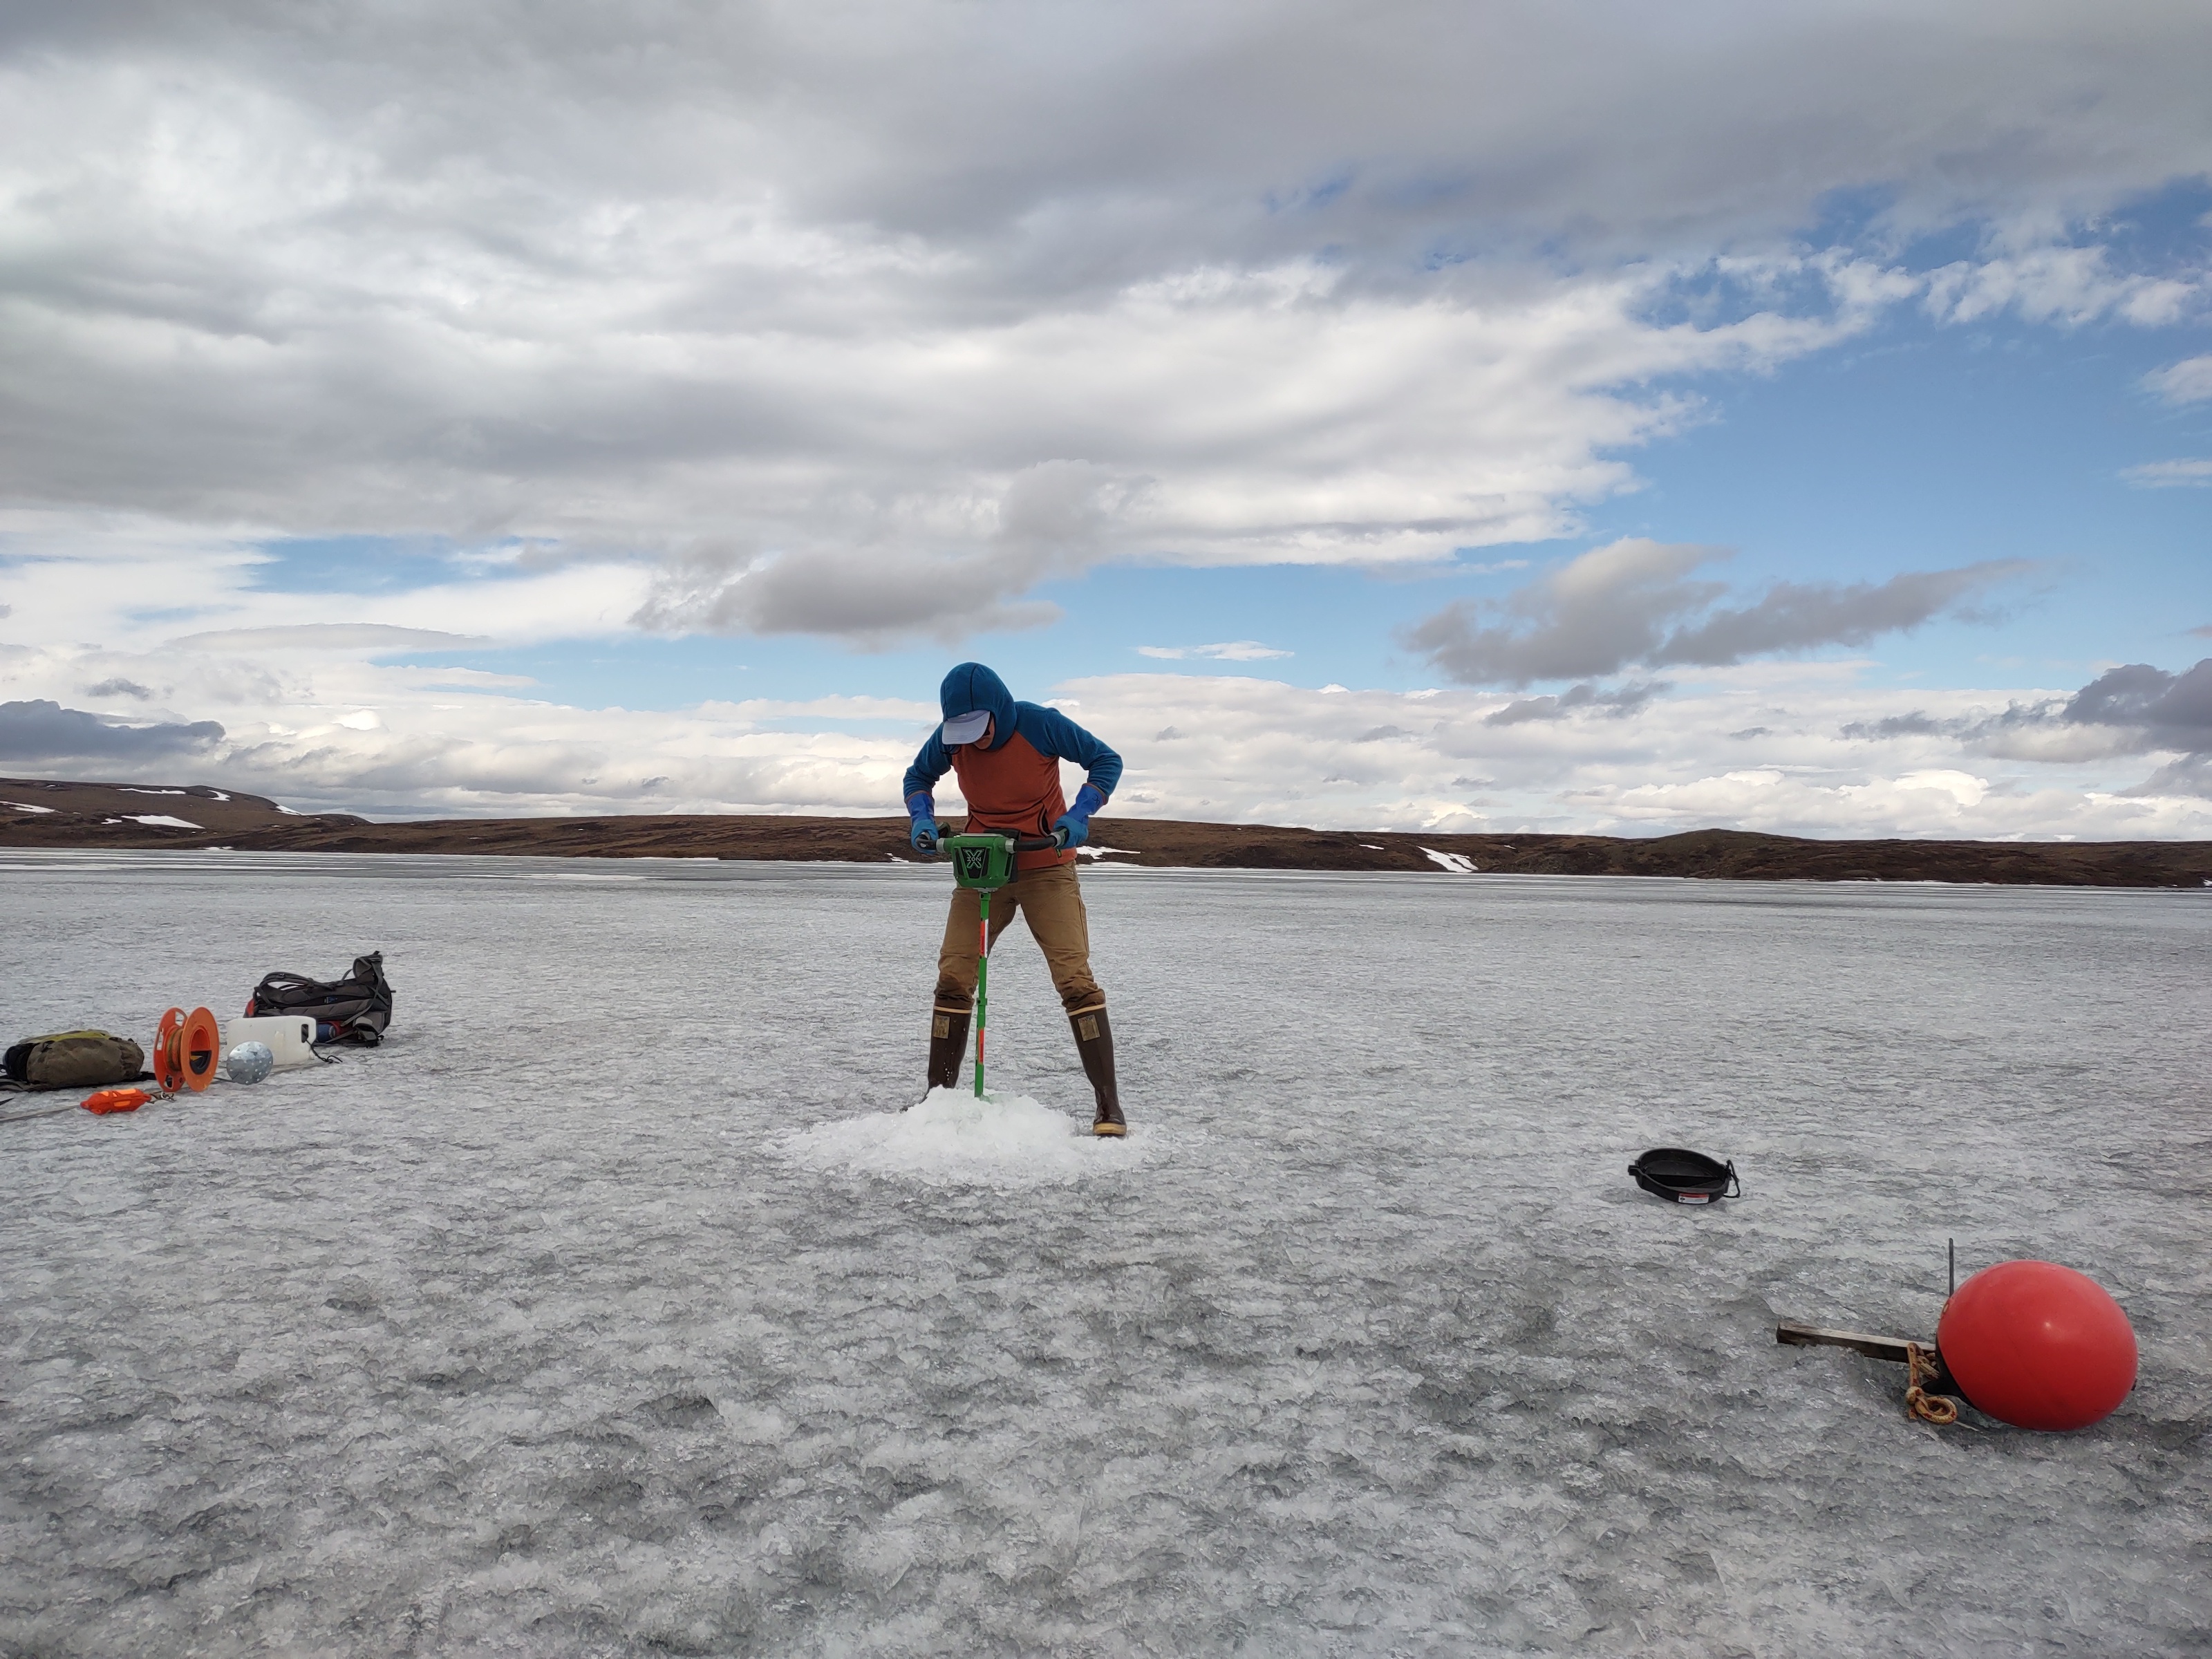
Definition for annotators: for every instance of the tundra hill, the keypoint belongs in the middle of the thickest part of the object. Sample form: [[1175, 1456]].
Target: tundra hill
[[35, 814]]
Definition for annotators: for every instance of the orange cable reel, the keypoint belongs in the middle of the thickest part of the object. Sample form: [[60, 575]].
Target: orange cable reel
[[186, 1047]]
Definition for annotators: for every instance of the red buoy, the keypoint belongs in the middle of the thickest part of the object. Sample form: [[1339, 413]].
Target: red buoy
[[2038, 1346]]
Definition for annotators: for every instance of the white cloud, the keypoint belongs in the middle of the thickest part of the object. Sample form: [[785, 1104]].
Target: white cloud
[[1263, 751], [866, 321], [1632, 601], [899, 710], [1797, 748], [1936, 803], [2189, 381], [2171, 475], [1228, 651], [822, 316], [96, 576], [2066, 284], [369, 638]]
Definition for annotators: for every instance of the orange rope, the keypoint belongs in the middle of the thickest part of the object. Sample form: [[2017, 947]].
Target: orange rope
[[1922, 1370]]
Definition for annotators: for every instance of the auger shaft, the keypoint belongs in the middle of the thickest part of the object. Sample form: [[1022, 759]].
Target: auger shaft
[[982, 987]]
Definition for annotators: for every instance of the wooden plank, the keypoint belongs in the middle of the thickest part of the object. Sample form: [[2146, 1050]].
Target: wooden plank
[[1891, 1348]]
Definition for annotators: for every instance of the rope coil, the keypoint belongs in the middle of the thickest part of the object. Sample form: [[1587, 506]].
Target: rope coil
[[1923, 1370]]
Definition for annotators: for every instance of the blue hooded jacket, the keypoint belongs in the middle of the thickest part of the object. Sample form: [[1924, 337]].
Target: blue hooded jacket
[[1011, 794]]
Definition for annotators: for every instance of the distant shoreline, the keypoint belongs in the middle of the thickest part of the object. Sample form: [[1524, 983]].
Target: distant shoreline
[[185, 817]]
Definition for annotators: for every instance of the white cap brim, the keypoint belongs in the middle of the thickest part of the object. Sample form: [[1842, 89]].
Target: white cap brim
[[964, 728]]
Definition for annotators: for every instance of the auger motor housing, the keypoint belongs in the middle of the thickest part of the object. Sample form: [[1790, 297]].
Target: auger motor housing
[[985, 863]]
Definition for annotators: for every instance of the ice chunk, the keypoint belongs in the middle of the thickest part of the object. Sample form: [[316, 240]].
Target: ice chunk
[[955, 1138]]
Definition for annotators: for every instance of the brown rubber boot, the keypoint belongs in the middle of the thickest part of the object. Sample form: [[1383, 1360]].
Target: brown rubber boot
[[948, 1046], [1094, 1041]]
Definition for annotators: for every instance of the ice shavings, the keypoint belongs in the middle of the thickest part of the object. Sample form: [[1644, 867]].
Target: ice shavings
[[1458, 863], [954, 1138]]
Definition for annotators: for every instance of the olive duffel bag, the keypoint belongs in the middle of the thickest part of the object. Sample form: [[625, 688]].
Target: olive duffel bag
[[74, 1060]]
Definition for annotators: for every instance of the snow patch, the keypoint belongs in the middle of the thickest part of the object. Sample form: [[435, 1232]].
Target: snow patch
[[132, 789], [952, 1138], [1372, 847], [161, 820], [1458, 863], [26, 806], [1100, 852]]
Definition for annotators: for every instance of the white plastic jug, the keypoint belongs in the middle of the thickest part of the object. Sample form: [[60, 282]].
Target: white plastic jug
[[289, 1037]]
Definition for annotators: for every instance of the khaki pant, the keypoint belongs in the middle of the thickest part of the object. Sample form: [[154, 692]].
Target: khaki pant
[[1052, 904]]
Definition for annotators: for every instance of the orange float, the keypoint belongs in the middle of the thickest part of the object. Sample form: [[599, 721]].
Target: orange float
[[185, 1049], [101, 1102], [2038, 1346]]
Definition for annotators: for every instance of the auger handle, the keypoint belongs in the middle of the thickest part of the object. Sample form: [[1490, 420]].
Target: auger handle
[[1029, 843]]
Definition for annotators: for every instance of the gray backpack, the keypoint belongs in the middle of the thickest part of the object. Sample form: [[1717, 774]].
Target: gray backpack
[[354, 1009]]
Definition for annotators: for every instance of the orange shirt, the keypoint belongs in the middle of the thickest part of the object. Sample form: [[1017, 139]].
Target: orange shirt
[[1012, 790]]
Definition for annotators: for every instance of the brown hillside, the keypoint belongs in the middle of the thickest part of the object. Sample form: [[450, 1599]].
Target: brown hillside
[[110, 815]]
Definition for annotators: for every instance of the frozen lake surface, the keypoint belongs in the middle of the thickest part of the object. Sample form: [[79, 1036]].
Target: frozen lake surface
[[603, 1310]]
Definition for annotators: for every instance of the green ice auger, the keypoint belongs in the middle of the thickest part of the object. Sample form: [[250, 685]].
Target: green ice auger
[[985, 863]]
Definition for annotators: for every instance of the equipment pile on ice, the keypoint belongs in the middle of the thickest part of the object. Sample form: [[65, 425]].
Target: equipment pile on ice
[[289, 1018]]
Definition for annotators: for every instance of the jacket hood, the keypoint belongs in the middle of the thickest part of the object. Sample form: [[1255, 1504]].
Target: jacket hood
[[971, 686]]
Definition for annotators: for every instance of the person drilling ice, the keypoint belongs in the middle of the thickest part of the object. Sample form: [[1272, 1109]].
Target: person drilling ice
[[1006, 756]]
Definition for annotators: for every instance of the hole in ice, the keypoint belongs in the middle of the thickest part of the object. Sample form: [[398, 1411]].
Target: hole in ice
[[952, 1138]]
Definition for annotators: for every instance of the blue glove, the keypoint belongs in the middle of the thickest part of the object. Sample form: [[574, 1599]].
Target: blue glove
[[925, 833], [1073, 828]]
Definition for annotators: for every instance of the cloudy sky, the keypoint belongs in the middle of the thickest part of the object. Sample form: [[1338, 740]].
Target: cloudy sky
[[1473, 416]]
